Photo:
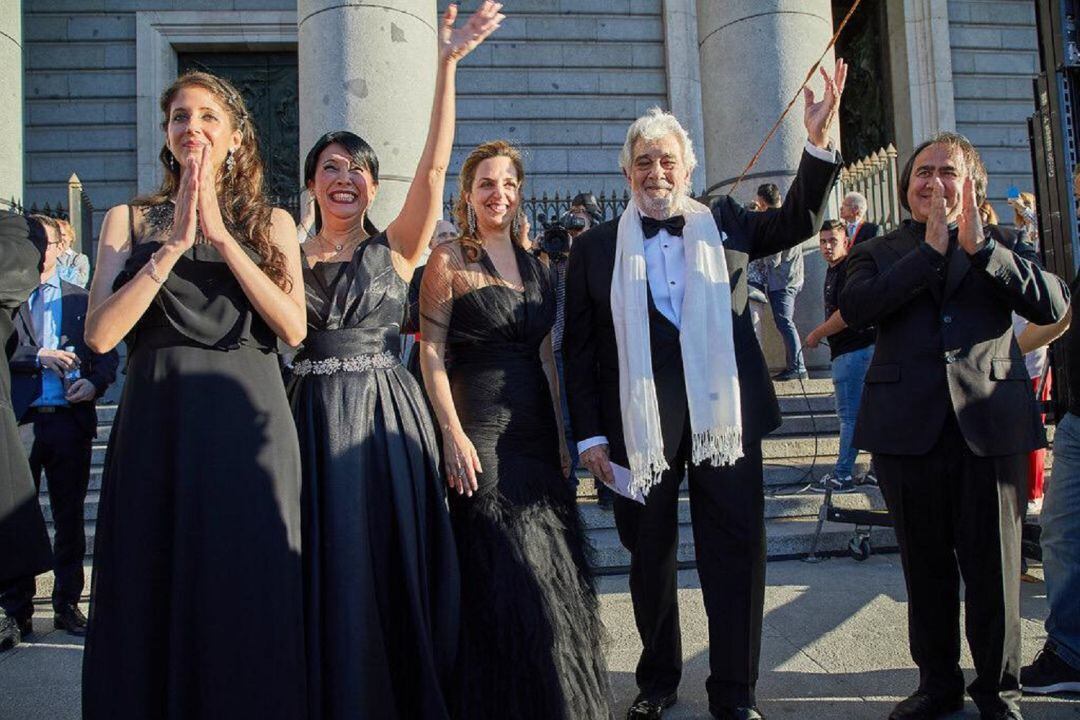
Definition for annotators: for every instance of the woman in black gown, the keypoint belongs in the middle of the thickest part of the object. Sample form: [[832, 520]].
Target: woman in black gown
[[380, 567], [531, 637], [196, 607]]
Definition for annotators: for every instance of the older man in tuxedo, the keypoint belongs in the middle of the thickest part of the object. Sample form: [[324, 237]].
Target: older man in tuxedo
[[665, 377]]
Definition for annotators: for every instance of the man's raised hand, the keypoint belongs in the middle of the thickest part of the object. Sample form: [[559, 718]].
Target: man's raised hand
[[970, 231], [820, 115]]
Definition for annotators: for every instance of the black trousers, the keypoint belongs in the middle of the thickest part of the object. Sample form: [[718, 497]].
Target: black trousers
[[62, 449], [957, 516], [727, 511]]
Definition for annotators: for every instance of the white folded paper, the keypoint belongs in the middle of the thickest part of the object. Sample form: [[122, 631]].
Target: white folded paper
[[622, 484]]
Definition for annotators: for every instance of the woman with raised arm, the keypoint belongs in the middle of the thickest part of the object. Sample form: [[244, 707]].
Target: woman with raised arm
[[531, 632], [381, 578], [196, 606]]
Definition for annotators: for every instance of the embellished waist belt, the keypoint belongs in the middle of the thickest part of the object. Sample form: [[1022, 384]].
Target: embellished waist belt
[[356, 363]]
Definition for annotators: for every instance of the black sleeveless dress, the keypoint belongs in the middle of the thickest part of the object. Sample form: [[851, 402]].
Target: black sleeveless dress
[[196, 607], [531, 633], [380, 567]]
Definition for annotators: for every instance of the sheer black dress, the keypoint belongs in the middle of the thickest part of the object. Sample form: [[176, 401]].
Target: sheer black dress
[[531, 633], [380, 566], [196, 607]]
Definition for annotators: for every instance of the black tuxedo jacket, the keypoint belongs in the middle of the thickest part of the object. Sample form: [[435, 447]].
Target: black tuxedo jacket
[[590, 360], [24, 543], [26, 374], [946, 344], [866, 231]]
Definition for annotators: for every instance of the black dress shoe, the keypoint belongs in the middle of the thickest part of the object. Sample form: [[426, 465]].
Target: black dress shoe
[[650, 708], [736, 713], [71, 619], [924, 706], [10, 635]]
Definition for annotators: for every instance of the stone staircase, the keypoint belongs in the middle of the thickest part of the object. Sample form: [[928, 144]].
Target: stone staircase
[[801, 450]]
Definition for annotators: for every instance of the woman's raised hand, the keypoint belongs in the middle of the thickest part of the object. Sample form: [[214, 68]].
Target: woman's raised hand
[[186, 219], [210, 221], [456, 43]]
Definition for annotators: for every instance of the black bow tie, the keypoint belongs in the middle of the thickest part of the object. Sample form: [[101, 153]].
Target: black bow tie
[[674, 225]]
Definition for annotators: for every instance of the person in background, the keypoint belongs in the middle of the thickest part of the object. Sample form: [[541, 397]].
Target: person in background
[[445, 231], [785, 281], [55, 380], [757, 280], [987, 214], [24, 542], [853, 213], [586, 209], [1035, 358], [71, 266], [1024, 216], [1056, 668], [850, 349]]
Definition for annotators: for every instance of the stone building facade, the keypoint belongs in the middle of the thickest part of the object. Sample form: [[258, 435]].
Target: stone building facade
[[79, 81]]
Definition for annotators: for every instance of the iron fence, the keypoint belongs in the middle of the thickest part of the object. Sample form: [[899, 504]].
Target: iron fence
[[79, 212]]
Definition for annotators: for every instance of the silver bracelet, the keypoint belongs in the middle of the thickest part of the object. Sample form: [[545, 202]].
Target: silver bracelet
[[152, 271]]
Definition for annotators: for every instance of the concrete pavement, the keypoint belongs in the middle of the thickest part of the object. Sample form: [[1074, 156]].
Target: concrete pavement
[[834, 647]]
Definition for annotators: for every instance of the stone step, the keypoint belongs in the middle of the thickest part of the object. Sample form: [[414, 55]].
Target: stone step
[[779, 474], [800, 405], [804, 504], [786, 538]]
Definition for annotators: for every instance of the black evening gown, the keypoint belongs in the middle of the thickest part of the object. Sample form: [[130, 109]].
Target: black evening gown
[[531, 632], [380, 567], [196, 609]]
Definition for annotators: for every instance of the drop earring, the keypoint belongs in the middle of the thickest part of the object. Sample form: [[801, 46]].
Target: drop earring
[[230, 162], [472, 222]]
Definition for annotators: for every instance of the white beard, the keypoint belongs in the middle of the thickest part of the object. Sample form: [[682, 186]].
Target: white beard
[[661, 208]]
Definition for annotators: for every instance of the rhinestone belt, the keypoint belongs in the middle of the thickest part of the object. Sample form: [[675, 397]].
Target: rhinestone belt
[[357, 363]]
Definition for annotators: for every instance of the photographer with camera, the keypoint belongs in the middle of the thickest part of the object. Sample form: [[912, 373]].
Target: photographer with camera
[[553, 245]]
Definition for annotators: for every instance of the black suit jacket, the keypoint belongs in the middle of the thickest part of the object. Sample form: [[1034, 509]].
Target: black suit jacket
[[589, 348], [100, 369], [866, 231], [948, 346], [24, 544]]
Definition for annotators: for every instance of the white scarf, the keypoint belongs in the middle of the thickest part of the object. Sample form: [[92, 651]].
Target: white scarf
[[705, 336]]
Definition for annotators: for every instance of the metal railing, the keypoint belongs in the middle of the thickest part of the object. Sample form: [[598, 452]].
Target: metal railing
[[553, 207], [877, 178], [79, 212]]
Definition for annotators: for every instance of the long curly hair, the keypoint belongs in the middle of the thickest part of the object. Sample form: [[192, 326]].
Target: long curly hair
[[241, 191], [472, 246]]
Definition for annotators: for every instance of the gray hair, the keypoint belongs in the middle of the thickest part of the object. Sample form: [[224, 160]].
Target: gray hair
[[857, 199], [653, 125]]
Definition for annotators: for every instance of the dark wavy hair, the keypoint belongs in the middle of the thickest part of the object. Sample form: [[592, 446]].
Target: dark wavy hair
[[471, 246], [973, 164], [241, 192], [361, 153]]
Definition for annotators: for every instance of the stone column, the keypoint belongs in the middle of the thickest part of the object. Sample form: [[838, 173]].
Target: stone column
[[684, 76], [922, 77], [11, 104], [369, 67], [754, 57]]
